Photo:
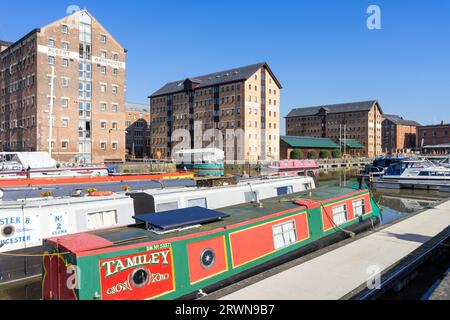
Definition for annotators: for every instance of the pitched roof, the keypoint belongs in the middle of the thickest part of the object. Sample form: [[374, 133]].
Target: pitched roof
[[137, 107], [334, 108], [309, 142], [217, 78], [5, 43], [399, 120], [352, 144]]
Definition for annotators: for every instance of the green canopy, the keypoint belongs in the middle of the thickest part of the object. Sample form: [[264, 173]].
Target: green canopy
[[352, 144], [309, 142]]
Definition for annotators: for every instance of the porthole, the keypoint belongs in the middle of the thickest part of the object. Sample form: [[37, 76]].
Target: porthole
[[207, 258], [8, 231], [140, 277]]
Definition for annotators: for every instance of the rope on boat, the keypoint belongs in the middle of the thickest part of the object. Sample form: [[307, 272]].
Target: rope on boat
[[31, 255], [350, 233]]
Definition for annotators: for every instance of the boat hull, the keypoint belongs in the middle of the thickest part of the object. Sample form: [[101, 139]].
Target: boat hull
[[26, 182], [181, 266]]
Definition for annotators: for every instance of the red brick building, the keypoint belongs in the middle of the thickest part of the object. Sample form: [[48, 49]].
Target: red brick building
[[88, 98], [434, 139], [399, 135]]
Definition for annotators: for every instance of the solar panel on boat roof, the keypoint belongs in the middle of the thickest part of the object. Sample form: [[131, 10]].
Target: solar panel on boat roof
[[181, 218]]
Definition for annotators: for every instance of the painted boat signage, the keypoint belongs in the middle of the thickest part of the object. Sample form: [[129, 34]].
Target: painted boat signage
[[143, 275], [18, 230]]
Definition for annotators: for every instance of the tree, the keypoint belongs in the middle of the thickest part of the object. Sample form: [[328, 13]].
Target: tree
[[296, 154], [312, 155], [324, 154], [336, 154]]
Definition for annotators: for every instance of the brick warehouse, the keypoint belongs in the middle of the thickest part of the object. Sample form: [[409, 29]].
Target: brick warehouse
[[137, 126], [362, 121], [89, 92], [399, 135], [246, 98]]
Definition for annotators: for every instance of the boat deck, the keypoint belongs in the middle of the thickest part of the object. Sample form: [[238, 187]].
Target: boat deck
[[335, 274], [237, 214]]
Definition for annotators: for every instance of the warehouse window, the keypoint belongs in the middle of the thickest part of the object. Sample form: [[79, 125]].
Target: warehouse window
[[284, 234]]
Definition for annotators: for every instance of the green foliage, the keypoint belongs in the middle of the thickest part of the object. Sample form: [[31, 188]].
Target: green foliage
[[296, 154], [312, 155], [325, 154], [336, 154]]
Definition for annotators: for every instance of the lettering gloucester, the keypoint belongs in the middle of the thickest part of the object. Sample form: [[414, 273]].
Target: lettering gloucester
[[114, 267]]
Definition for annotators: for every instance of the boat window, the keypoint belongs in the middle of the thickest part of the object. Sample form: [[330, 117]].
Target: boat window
[[284, 234], [167, 206], [307, 186], [200, 202], [102, 219], [359, 208], [281, 191], [340, 214], [424, 174]]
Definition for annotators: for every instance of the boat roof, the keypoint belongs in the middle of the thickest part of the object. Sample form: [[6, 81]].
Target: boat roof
[[237, 214]]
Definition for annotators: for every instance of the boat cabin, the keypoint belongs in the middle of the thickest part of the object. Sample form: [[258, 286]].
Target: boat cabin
[[176, 253]]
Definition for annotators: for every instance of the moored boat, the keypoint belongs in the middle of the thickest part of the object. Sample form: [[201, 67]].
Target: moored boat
[[290, 167], [414, 174], [177, 253], [203, 162], [25, 222]]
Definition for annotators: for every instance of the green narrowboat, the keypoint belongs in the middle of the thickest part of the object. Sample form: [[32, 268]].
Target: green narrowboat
[[177, 254]]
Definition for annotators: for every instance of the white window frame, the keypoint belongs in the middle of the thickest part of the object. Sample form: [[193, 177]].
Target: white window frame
[[286, 237], [66, 141], [65, 99], [337, 214], [359, 204], [102, 224], [62, 122]]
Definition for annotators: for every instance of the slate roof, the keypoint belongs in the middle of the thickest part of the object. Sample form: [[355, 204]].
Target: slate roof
[[399, 120], [309, 142], [213, 79], [137, 107], [333, 108], [5, 43]]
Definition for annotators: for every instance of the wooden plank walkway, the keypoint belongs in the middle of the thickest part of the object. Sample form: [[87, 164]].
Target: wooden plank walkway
[[336, 273]]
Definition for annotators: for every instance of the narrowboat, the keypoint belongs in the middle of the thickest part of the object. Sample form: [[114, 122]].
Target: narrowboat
[[35, 165], [182, 253], [290, 167], [25, 222], [203, 162]]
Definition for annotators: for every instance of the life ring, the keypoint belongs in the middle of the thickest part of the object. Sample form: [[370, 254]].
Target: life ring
[[101, 194]]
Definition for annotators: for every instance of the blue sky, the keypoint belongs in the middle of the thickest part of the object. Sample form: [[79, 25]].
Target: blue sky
[[321, 51]]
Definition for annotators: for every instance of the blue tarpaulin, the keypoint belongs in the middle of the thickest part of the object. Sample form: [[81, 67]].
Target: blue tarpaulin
[[180, 218]]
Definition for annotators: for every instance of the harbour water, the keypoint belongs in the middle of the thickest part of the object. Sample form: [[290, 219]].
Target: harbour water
[[394, 203]]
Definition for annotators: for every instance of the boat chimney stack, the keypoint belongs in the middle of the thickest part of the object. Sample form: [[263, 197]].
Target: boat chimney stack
[[360, 182]]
